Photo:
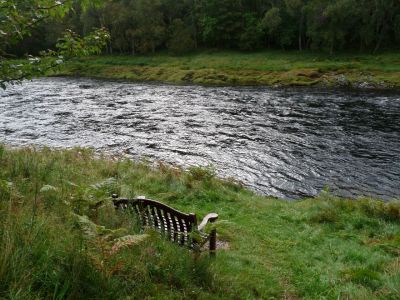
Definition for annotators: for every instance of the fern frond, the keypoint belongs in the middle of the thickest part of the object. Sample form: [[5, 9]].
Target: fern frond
[[47, 188], [105, 183], [127, 241]]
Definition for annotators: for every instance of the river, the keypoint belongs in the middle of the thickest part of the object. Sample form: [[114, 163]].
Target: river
[[288, 143]]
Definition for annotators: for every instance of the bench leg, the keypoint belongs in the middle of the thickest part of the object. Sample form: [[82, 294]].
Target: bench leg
[[213, 242]]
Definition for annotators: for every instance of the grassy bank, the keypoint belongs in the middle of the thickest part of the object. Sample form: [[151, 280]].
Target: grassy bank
[[324, 248], [272, 68]]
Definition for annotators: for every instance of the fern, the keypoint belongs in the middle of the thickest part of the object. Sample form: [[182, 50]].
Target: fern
[[90, 229], [127, 241], [104, 184], [47, 188]]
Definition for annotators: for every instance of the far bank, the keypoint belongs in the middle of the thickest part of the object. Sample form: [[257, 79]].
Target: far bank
[[267, 68]]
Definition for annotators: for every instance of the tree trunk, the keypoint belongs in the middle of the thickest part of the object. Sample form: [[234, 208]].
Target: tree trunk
[[300, 32], [300, 47], [378, 44], [380, 38]]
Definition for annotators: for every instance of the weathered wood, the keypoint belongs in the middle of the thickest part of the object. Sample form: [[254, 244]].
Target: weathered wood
[[210, 218], [175, 225], [213, 242]]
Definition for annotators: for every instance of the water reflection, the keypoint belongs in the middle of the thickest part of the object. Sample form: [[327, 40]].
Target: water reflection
[[287, 143]]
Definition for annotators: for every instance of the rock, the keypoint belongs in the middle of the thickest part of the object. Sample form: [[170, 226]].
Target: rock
[[342, 80], [365, 85]]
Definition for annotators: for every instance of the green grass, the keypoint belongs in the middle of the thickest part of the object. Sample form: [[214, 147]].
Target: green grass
[[322, 248], [261, 61], [281, 68]]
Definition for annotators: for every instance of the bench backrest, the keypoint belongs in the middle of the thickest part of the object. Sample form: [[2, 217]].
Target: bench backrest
[[173, 224]]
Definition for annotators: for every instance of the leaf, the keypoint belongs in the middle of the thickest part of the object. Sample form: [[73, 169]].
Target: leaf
[[6, 184], [127, 241], [71, 183], [47, 188], [105, 183], [90, 229]]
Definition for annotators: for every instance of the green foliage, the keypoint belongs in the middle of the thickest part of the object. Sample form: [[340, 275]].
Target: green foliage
[[271, 21], [149, 30], [53, 246], [145, 26], [202, 174], [71, 45], [181, 38], [220, 21], [49, 251], [251, 36], [363, 276], [19, 18]]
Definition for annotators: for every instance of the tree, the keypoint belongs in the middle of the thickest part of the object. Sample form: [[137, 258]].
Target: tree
[[180, 38], [147, 25], [331, 23], [383, 17], [295, 9], [150, 27], [17, 20], [396, 27], [250, 39], [220, 22], [119, 18], [271, 22]]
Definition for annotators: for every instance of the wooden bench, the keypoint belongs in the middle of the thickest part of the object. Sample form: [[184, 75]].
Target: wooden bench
[[176, 226]]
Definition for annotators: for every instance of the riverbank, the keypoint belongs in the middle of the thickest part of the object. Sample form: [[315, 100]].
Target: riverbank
[[269, 68], [310, 249]]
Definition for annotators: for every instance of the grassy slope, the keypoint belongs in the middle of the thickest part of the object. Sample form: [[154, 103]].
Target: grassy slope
[[324, 248], [260, 68]]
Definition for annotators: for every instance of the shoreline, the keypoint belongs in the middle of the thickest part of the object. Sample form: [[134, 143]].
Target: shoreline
[[236, 70], [350, 89], [155, 165], [329, 81]]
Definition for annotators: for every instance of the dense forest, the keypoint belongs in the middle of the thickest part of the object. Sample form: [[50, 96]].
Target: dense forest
[[145, 26]]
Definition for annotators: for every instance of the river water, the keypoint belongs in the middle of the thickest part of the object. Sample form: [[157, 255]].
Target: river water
[[288, 143]]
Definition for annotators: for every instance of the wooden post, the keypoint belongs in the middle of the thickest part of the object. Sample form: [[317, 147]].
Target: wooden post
[[213, 241]]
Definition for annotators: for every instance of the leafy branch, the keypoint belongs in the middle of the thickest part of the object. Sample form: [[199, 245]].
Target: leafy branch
[[18, 18]]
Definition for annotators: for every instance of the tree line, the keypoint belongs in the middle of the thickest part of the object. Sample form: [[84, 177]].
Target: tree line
[[145, 26]]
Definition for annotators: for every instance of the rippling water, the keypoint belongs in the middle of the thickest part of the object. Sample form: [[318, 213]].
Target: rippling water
[[287, 143]]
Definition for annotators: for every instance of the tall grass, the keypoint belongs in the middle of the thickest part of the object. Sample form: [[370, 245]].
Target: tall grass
[[50, 249], [59, 241]]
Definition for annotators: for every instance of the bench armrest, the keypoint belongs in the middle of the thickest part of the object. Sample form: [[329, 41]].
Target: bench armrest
[[210, 218]]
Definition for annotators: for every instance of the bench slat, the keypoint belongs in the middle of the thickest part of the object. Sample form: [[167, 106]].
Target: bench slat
[[175, 225]]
